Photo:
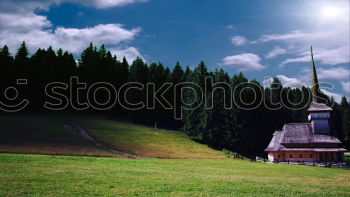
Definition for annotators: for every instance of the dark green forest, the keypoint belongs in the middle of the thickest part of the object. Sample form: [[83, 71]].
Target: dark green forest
[[244, 131]]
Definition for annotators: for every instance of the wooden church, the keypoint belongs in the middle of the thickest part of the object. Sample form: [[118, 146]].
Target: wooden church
[[308, 142]]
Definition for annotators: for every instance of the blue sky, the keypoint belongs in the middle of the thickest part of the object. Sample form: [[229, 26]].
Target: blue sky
[[261, 38]]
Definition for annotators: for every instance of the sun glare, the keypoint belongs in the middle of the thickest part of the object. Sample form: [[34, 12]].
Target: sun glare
[[330, 12]]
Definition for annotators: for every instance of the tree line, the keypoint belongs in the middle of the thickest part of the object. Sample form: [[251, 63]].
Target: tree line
[[236, 129]]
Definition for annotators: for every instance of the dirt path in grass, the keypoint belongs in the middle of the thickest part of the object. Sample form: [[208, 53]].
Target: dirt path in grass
[[82, 132]]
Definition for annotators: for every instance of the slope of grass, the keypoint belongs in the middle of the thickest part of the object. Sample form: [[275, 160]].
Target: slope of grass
[[147, 141], [42, 133], [40, 175], [45, 133]]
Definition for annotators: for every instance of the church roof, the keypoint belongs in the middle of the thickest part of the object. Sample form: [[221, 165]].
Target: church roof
[[318, 107], [317, 149], [296, 135], [275, 143]]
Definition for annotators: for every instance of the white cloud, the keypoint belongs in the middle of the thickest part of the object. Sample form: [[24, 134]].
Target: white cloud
[[328, 35], [297, 83], [275, 52], [326, 56], [130, 53], [72, 39], [334, 56], [239, 40], [330, 39], [337, 97], [244, 61], [288, 36], [21, 6], [346, 86], [22, 24], [267, 82], [333, 73], [30, 5], [293, 60], [105, 3], [75, 39], [331, 45], [285, 81], [290, 81], [338, 73]]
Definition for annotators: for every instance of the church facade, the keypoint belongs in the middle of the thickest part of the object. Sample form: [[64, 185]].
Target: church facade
[[307, 142]]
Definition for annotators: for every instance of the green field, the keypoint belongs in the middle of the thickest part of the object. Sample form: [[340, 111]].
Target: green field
[[34, 162], [40, 175]]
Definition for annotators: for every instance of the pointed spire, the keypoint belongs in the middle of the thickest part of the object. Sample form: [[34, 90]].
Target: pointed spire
[[314, 85]]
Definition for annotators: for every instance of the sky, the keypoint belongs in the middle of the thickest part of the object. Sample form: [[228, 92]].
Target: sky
[[263, 39]]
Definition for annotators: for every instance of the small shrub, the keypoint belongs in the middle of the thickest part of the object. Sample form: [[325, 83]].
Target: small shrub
[[228, 153]]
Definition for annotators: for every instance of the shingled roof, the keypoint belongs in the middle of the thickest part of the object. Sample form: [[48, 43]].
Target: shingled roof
[[318, 107], [275, 143], [296, 135]]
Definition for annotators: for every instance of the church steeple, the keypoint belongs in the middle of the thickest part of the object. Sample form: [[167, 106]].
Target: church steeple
[[319, 113], [315, 88]]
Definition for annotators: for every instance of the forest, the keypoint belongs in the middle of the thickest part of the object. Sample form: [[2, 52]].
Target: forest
[[245, 131]]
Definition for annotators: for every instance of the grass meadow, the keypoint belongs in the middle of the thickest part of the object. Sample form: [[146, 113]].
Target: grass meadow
[[39, 156], [48, 175]]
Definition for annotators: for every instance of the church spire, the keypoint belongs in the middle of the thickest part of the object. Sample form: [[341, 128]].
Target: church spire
[[315, 88]]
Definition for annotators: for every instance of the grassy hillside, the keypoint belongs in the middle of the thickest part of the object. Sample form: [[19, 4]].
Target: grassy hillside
[[146, 141], [41, 175], [42, 133], [45, 133]]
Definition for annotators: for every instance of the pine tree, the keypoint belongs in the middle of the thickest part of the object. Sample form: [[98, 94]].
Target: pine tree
[[21, 62], [6, 67], [88, 64], [218, 123], [121, 72], [138, 73], [52, 69], [196, 117], [69, 66], [177, 77], [345, 121]]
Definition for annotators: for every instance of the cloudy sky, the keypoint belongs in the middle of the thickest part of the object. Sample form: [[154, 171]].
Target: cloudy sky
[[261, 38]]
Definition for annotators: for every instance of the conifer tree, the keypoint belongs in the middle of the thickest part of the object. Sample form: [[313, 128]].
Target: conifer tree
[[218, 123], [6, 67], [177, 77], [197, 115], [21, 62], [138, 73]]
